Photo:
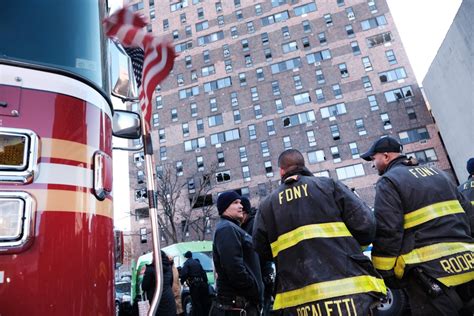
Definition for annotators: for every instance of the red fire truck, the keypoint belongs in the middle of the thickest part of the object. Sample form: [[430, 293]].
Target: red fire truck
[[56, 126]]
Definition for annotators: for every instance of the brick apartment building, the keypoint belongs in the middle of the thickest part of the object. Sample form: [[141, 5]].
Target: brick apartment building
[[254, 78]]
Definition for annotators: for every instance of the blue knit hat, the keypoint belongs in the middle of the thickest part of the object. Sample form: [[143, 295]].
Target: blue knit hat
[[470, 166], [225, 199]]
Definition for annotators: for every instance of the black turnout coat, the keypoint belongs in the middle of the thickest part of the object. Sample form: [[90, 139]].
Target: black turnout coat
[[314, 228], [422, 221]]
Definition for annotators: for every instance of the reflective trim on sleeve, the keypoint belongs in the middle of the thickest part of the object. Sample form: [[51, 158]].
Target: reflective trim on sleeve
[[431, 212], [384, 263], [454, 280], [324, 290], [325, 230], [472, 203], [428, 253]]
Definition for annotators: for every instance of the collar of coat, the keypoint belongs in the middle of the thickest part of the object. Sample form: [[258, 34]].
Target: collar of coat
[[236, 222], [292, 174], [403, 160]]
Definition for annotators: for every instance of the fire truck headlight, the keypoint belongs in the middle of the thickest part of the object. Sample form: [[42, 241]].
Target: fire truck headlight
[[16, 220], [11, 218], [14, 149], [19, 150]]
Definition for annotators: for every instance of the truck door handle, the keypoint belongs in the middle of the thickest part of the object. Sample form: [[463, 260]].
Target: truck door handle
[[3, 104]]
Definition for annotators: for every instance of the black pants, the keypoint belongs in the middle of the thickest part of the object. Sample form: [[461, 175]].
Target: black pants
[[422, 304], [219, 310], [200, 298]]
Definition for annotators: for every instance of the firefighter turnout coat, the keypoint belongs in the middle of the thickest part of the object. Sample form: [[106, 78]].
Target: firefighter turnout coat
[[313, 229], [422, 220]]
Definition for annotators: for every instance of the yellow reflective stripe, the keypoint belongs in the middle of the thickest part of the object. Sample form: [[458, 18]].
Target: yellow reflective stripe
[[324, 290], [432, 211], [457, 279], [64, 149], [436, 251], [71, 201], [472, 202], [429, 253], [326, 230], [384, 263]]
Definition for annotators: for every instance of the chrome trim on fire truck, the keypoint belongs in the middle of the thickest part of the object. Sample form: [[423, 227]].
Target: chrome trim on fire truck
[[29, 172], [18, 243], [99, 182], [47, 81]]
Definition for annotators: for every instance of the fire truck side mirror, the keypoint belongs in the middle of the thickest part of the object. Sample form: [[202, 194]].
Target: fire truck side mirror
[[122, 80], [126, 124]]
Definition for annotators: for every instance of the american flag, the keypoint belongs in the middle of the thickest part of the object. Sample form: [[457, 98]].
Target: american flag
[[137, 56], [158, 56]]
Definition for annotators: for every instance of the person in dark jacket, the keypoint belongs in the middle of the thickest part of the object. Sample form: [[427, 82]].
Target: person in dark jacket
[[467, 188], [266, 267], [423, 241], [314, 229], [167, 305], [239, 282], [248, 215], [194, 275]]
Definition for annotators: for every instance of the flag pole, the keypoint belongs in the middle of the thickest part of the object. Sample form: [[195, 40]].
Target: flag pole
[[152, 205], [127, 26]]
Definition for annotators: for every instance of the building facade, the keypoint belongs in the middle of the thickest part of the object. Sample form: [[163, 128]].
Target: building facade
[[448, 86], [255, 78]]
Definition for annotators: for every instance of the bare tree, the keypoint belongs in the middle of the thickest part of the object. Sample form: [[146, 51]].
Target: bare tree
[[169, 190], [182, 210], [201, 212]]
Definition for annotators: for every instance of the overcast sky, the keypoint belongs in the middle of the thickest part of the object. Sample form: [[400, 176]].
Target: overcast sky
[[422, 25]]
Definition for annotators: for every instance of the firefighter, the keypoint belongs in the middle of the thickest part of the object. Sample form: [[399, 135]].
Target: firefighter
[[467, 188], [239, 282], [423, 241], [314, 228], [194, 275]]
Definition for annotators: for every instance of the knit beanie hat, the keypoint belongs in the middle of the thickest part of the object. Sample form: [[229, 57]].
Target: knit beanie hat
[[188, 254], [225, 199], [246, 204], [470, 166]]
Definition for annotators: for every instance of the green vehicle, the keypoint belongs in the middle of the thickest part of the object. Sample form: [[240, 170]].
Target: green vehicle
[[202, 250]]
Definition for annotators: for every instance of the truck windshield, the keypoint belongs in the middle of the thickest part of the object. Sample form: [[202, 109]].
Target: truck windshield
[[205, 260], [122, 287], [56, 33]]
